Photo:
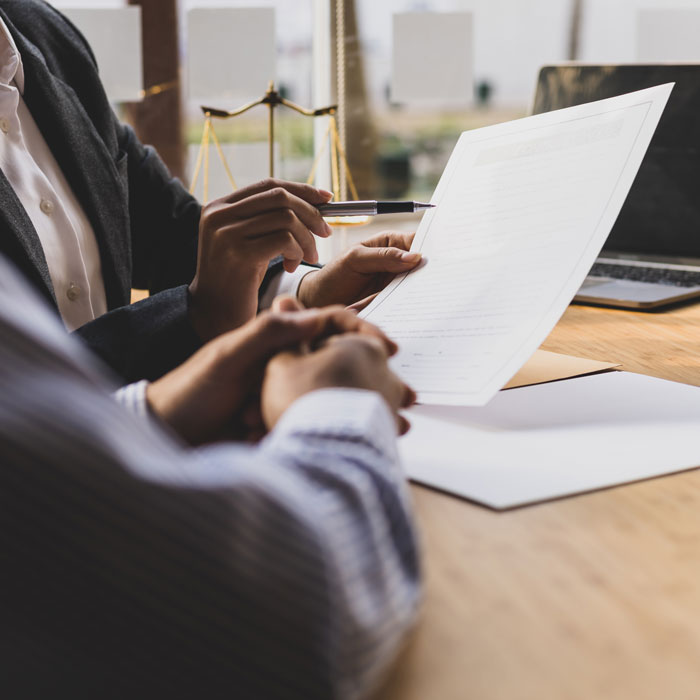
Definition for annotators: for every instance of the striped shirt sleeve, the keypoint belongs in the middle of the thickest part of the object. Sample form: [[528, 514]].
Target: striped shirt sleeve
[[133, 398], [134, 565]]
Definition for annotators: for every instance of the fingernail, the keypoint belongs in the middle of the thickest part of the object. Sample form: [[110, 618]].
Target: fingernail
[[329, 230], [410, 257], [326, 193]]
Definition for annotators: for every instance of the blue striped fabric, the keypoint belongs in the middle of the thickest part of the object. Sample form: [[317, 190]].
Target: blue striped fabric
[[134, 567]]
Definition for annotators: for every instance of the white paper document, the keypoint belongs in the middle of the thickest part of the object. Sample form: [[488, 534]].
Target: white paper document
[[552, 440], [523, 209]]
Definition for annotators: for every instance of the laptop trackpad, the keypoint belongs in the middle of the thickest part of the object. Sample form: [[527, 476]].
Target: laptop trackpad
[[609, 291]]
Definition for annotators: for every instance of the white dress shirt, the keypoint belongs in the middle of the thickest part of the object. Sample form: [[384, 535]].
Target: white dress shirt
[[69, 243], [66, 235]]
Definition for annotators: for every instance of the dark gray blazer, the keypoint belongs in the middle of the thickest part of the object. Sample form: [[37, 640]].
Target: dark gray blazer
[[145, 221]]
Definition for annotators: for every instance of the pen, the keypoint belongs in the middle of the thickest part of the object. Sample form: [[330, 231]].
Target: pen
[[370, 207]]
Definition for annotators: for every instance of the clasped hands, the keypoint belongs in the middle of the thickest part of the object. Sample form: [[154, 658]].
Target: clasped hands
[[239, 384], [255, 367], [239, 234]]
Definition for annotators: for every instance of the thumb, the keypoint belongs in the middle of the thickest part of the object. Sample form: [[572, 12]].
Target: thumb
[[363, 303], [290, 326], [368, 259], [286, 302]]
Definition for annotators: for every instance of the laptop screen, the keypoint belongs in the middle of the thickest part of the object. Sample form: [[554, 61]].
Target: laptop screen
[[662, 213]]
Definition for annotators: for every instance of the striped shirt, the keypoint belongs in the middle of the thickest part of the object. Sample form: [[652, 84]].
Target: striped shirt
[[132, 566]]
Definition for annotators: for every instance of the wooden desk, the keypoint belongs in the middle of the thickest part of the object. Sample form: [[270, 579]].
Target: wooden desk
[[593, 597]]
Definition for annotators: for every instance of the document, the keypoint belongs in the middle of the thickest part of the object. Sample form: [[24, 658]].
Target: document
[[522, 211], [552, 440]]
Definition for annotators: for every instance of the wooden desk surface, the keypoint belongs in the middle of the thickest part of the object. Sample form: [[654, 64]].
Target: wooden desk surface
[[593, 597]]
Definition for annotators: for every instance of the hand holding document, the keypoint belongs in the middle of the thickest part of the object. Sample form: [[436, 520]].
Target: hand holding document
[[523, 210]]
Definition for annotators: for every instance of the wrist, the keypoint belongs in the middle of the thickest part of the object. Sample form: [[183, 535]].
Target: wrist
[[212, 313], [305, 290], [197, 314]]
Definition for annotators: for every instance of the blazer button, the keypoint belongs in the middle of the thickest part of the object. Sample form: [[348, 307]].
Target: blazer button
[[73, 291]]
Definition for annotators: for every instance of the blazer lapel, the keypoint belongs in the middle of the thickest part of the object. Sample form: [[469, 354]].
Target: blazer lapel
[[86, 162]]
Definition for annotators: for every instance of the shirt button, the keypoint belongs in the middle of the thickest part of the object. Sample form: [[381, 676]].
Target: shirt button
[[4, 125], [46, 205], [73, 291]]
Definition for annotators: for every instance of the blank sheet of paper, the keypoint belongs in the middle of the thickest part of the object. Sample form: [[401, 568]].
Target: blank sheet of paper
[[230, 52], [668, 35], [523, 210], [553, 440], [432, 57], [120, 62]]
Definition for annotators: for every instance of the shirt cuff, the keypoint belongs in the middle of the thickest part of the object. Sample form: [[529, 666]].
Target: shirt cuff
[[284, 283], [350, 416], [133, 398]]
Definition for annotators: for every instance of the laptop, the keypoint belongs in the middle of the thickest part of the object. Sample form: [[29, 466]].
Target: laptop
[[652, 257]]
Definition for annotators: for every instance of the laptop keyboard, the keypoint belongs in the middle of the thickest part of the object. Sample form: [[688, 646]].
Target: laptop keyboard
[[659, 275]]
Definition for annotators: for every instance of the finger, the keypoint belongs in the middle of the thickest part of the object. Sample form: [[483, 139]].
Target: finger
[[404, 424], [374, 349], [253, 344], [363, 303], [391, 239], [278, 198], [311, 194], [278, 193], [330, 321], [286, 302], [339, 321], [409, 396], [269, 333], [273, 331], [273, 244], [265, 225], [285, 220], [368, 259]]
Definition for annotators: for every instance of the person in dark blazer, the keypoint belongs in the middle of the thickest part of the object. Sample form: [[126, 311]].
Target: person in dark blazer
[[205, 269]]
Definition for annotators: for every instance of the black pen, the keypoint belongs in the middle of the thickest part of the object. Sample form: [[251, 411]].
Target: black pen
[[370, 207]]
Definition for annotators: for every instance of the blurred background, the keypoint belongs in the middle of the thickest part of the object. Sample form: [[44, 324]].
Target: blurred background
[[397, 128]]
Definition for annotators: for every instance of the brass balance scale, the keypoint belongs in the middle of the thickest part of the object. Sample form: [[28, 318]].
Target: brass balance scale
[[273, 99]]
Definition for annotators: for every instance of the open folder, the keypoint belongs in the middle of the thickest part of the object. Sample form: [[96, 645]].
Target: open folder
[[522, 211], [546, 366]]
